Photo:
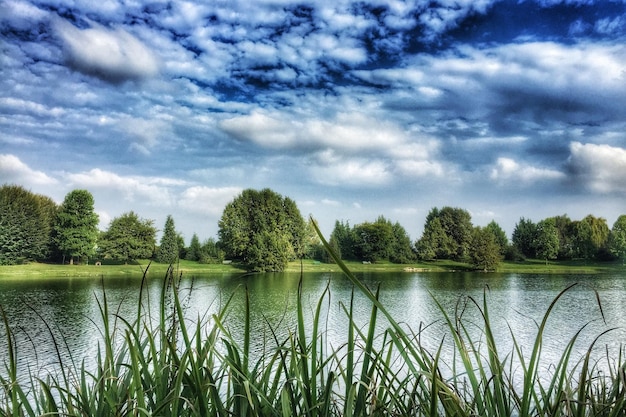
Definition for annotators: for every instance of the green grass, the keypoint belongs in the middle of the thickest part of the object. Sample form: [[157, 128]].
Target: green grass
[[533, 266], [167, 365]]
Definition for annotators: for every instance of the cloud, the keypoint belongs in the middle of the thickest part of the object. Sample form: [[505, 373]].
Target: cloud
[[208, 200], [330, 169], [282, 130], [600, 168], [154, 190], [12, 169], [113, 55], [509, 171]]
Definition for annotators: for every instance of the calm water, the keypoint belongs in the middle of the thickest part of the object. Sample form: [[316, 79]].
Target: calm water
[[68, 308]]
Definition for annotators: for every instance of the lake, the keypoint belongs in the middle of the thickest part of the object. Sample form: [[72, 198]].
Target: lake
[[68, 309]]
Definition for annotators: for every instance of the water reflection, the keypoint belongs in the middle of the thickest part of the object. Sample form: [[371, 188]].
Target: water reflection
[[68, 309]]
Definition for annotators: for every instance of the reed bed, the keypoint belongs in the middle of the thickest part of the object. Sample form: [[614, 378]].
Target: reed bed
[[171, 366]]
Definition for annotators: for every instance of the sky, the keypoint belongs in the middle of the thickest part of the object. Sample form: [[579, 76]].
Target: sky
[[353, 109]]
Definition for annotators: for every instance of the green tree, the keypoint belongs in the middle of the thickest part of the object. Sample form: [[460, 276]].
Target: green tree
[[547, 240], [402, 250], [194, 251], [499, 235], [447, 234], [567, 233], [344, 239], [313, 248], [211, 253], [374, 241], [26, 224], [591, 237], [486, 252], [128, 238], [617, 239], [76, 226], [525, 236], [263, 230], [169, 246]]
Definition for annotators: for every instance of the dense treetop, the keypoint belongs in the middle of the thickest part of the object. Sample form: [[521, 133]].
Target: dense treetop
[[263, 231]]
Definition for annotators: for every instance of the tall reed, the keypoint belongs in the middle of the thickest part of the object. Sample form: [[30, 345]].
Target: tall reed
[[170, 365]]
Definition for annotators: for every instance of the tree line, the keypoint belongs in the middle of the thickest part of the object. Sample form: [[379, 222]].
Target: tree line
[[263, 231]]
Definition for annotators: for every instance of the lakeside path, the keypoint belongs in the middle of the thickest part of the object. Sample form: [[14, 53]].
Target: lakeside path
[[191, 268]]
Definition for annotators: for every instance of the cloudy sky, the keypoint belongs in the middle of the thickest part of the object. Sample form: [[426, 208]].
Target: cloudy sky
[[351, 108]]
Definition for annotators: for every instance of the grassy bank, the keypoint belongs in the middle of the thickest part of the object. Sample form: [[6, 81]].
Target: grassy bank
[[188, 267], [170, 366]]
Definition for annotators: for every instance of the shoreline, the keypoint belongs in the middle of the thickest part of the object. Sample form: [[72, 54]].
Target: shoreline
[[189, 267]]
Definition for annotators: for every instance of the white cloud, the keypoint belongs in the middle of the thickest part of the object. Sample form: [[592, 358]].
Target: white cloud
[[207, 200], [507, 170], [348, 131], [330, 169], [111, 54], [601, 168], [154, 190], [12, 169]]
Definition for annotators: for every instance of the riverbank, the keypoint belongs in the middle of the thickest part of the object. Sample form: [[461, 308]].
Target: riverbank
[[188, 267]]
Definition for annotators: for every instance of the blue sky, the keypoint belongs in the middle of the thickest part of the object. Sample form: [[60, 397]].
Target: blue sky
[[352, 108]]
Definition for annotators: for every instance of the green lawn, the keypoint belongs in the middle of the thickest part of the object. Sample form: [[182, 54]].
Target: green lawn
[[190, 267]]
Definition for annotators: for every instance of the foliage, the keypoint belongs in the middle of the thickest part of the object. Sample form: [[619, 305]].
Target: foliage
[[194, 251], [313, 248], [76, 225], [567, 235], [499, 235], [210, 252], [592, 237], [343, 237], [263, 230], [547, 240], [169, 245], [373, 241], [525, 236], [26, 224], [447, 234], [128, 238], [486, 252], [617, 239]]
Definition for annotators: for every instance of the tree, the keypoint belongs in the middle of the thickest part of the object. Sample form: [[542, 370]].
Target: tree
[[447, 234], [499, 235], [547, 240], [128, 238], [262, 229], [194, 251], [77, 226], [374, 241], [210, 252], [524, 237], [169, 246], [486, 252], [567, 235], [591, 237], [26, 224], [313, 248], [617, 239], [343, 238], [402, 250]]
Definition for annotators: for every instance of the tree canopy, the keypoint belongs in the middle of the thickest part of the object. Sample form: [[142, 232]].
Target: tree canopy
[[26, 224], [262, 229], [128, 238], [77, 225], [169, 247], [447, 234]]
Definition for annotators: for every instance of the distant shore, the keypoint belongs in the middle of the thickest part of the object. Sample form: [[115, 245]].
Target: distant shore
[[193, 268]]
